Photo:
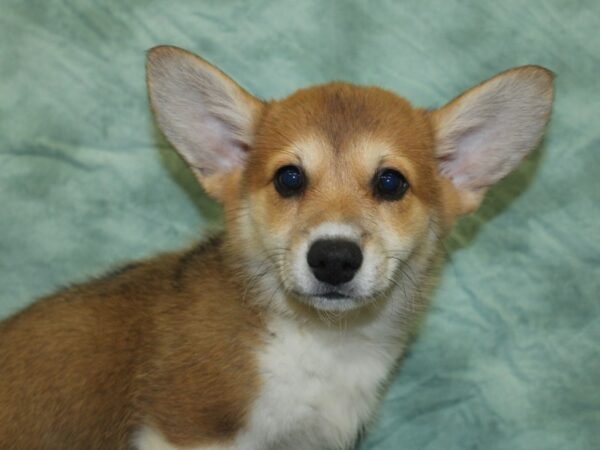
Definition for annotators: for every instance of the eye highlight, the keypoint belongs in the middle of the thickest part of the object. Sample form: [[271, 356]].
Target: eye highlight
[[389, 184], [289, 181]]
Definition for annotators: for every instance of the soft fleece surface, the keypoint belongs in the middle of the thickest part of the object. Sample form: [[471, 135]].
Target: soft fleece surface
[[509, 356]]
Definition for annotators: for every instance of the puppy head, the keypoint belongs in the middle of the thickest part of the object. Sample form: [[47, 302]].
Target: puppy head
[[339, 194]]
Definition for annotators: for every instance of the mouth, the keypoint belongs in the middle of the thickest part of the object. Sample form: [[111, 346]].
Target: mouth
[[330, 300], [326, 295], [333, 295]]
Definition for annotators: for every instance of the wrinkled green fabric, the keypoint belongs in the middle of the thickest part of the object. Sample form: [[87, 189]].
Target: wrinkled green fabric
[[509, 356]]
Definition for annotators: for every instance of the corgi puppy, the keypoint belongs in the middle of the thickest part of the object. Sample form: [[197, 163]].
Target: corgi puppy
[[281, 332]]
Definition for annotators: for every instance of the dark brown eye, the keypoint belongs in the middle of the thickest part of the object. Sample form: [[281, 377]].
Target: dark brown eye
[[389, 184], [289, 181]]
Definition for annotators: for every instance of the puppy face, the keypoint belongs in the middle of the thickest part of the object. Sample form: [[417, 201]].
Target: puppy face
[[338, 194], [342, 190]]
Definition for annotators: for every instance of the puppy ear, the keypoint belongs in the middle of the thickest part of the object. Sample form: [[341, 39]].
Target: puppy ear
[[483, 134], [205, 115]]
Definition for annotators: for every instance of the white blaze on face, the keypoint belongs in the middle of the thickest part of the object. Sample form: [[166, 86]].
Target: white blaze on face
[[307, 284]]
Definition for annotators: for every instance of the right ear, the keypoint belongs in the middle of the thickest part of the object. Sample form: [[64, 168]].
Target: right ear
[[204, 114]]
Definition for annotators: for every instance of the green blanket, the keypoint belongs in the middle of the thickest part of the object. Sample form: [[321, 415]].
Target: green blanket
[[509, 356]]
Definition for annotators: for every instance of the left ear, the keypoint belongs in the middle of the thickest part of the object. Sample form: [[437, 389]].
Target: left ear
[[483, 134]]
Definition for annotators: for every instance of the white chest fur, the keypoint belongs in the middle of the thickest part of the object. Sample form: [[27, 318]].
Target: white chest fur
[[321, 385]]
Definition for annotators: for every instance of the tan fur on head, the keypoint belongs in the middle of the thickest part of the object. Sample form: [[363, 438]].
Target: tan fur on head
[[479, 137], [341, 135]]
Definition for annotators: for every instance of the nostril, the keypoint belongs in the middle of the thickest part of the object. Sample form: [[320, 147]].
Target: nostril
[[316, 263], [350, 265], [334, 261]]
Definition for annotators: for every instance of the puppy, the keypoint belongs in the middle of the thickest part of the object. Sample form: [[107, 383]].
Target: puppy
[[280, 333]]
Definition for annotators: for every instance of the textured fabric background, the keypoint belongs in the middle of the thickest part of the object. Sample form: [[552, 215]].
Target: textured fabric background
[[509, 356]]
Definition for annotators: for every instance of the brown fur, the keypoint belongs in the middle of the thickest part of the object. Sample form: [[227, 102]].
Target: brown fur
[[84, 368], [170, 342]]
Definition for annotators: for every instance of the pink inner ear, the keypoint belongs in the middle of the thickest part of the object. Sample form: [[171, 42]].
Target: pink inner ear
[[475, 162], [205, 115], [485, 133], [213, 145], [232, 155], [482, 154], [227, 156]]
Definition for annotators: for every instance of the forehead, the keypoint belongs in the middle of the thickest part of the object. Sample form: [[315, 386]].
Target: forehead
[[341, 116]]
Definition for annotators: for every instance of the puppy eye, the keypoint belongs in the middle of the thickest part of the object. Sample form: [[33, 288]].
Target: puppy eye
[[289, 181], [389, 184]]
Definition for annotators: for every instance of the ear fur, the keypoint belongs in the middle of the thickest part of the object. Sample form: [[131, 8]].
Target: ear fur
[[207, 117], [483, 134]]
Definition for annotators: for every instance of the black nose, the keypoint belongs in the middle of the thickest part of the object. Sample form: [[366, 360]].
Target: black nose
[[334, 261]]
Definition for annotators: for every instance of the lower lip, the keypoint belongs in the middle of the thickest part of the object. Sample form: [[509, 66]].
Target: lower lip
[[334, 296]]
